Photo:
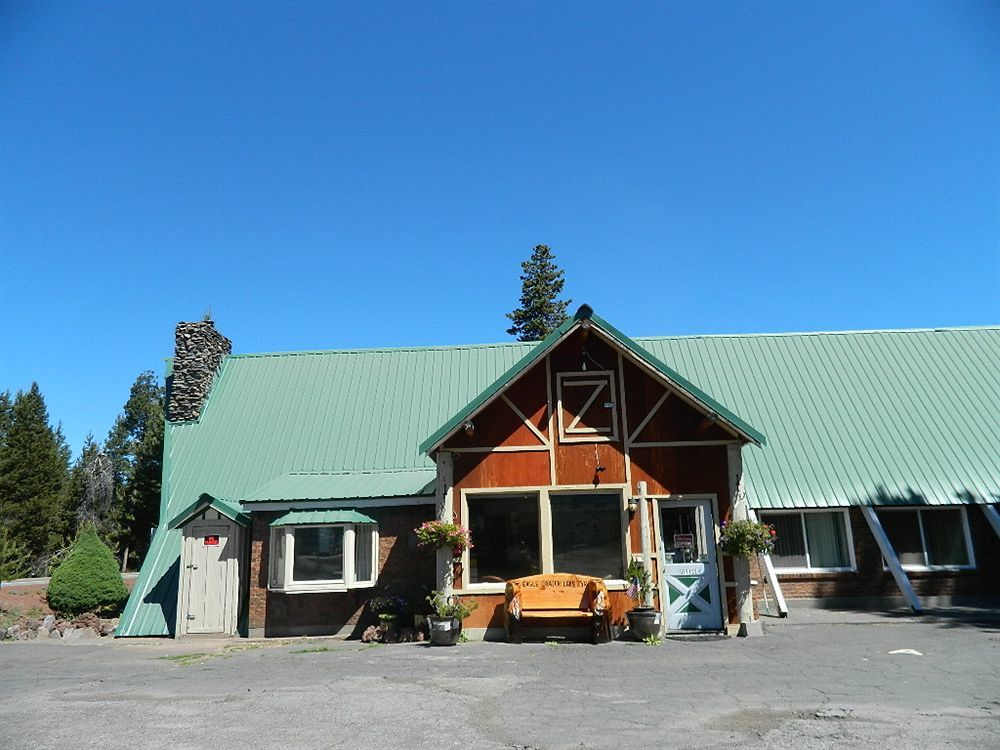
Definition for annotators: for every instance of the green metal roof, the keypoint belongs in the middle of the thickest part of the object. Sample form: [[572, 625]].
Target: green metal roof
[[230, 510], [345, 485], [851, 418], [541, 348], [306, 517]]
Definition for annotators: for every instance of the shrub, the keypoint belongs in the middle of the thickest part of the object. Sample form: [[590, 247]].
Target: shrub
[[88, 579]]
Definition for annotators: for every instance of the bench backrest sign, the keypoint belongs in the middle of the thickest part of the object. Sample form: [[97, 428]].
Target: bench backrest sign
[[553, 591]]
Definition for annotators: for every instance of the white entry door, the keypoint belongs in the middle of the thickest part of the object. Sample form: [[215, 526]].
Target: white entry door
[[208, 597], [690, 573]]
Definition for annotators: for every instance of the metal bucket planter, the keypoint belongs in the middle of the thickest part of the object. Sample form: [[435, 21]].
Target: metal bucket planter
[[644, 622], [444, 630]]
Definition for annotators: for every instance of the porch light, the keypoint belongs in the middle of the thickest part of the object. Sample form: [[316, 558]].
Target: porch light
[[633, 505], [469, 428]]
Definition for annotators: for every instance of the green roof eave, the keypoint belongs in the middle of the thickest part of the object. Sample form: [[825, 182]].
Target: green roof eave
[[504, 380], [311, 517], [731, 418], [586, 312], [230, 510]]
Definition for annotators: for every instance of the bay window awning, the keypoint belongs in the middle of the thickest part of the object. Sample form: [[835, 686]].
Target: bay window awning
[[324, 517]]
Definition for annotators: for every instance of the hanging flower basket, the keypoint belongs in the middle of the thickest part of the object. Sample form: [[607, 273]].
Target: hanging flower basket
[[745, 538], [438, 534]]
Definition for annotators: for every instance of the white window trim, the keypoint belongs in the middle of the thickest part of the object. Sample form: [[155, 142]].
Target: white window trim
[[544, 529], [916, 568], [289, 586], [799, 569], [574, 434]]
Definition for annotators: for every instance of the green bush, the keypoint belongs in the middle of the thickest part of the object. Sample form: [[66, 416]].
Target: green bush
[[88, 579]]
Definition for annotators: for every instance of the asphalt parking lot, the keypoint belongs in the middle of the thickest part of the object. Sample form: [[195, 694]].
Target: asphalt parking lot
[[812, 681]]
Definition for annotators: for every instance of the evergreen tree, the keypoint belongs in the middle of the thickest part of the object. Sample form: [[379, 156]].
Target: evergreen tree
[[33, 474], [6, 414], [135, 449], [541, 311]]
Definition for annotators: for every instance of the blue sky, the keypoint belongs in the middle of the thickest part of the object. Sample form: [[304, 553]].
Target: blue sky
[[372, 174]]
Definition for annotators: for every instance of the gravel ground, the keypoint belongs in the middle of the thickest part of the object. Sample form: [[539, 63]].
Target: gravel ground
[[815, 684]]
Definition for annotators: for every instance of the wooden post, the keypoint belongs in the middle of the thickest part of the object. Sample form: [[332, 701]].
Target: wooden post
[[647, 563], [445, 512], [891, 559], [741, 564]]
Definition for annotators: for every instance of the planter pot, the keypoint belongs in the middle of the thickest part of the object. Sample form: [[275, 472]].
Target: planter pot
[[444, 630], [644, 622]]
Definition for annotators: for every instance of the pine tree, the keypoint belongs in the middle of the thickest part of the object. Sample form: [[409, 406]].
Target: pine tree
[[33, 474], [540, 312], [6, 414], [135, 449]]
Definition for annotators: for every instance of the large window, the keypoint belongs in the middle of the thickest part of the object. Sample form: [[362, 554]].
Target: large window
[[523, 534], [811, 541], [322, 558], [587, 535], [929, 537], [505, 533]]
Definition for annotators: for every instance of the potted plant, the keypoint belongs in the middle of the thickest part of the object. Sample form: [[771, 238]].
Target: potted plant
[[444, 534], [446, 622], [388, 609], [746, 538], [643, 621]]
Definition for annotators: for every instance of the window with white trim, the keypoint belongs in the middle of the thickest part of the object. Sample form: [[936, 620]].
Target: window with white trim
[[526, 533], [929, 538], [318, 558], [811, 541]]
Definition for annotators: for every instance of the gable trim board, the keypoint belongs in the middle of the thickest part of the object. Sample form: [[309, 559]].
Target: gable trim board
[[585, 317], [852, 419]]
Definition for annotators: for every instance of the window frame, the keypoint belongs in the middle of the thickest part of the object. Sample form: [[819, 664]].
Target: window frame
[[286, 560], [916, 568], [808, 568], [545, 527]]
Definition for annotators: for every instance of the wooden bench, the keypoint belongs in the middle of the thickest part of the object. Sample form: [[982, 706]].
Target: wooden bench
[[557, 596]]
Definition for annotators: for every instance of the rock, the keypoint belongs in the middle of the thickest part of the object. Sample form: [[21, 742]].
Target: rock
[[43, 632], [55, 634], [14, 632], [87, 634], [30, 634], [73, 634], [49, 622], [34, 624]]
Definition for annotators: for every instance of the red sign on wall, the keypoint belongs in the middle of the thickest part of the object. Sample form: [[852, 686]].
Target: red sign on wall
[[212, 541]]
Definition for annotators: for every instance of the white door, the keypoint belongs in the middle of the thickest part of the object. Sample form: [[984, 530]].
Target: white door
[[209, 552], [690, 573]]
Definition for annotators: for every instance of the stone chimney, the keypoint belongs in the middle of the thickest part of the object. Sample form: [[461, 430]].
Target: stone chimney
[[198, 353]]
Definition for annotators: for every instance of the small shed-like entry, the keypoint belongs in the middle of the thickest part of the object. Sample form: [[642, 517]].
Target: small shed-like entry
[[213, 560]]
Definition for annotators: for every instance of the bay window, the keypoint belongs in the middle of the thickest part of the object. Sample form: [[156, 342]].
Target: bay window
[[322, 557], [811, 541]]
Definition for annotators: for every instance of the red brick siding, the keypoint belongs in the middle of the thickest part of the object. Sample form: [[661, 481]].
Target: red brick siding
[[404, 569], [870, 580]]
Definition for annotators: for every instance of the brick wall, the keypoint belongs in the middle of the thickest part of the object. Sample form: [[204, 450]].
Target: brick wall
[[404, 569], [871, 581]]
